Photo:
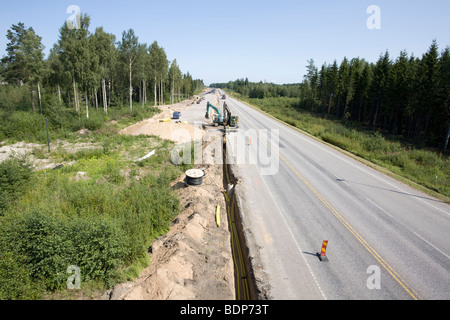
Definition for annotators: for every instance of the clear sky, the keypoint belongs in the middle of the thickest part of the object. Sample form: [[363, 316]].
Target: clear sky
[[264, 40]]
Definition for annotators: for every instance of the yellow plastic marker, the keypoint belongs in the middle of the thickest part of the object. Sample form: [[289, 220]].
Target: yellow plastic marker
[[218, 216]]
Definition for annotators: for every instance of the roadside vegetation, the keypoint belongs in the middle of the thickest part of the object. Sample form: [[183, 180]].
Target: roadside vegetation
[[100, 213], [408, 97], [99, 210], [427, 167], [394, 113]]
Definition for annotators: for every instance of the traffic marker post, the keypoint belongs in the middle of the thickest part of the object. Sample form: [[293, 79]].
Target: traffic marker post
[[323, 253]]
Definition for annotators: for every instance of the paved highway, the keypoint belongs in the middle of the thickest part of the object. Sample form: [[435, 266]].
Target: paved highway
[[386, 240]]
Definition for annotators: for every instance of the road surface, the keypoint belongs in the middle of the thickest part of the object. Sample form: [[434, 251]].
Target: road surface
[[386, 240]]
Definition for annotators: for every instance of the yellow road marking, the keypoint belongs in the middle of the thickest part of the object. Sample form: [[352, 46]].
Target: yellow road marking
[[366, 245]]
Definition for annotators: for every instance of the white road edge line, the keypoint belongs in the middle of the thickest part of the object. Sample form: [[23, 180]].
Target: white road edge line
[[292, 236], [353, 165]]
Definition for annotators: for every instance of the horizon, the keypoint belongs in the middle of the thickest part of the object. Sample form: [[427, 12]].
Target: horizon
[[269, 41]]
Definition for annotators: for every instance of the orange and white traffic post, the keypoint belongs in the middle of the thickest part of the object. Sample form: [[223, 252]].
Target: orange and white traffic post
[[323, 252]]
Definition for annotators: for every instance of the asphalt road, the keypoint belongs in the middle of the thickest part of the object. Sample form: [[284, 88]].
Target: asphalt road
[[386, 240]]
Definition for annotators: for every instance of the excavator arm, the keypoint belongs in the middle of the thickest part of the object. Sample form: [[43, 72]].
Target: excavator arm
[[209, 105]]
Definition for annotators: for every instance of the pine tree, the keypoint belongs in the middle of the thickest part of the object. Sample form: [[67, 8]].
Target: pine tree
[[24, 63], [444, 95], [430, 88]]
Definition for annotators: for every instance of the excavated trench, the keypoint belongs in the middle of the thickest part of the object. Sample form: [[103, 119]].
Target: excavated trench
[[245, 284]]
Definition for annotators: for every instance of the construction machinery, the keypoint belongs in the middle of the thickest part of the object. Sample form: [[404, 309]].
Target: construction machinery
[[176, 115], [226, 119], [230, 121], [217, 117]]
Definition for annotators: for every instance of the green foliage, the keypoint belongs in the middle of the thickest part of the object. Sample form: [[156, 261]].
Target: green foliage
[[103, 224], [418, 165], [50, 244], [15, 177], [407, 97], [15, 280], [24, 126]]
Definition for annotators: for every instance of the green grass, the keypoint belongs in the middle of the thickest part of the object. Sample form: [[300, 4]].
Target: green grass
[[421, 166], [102, 220]]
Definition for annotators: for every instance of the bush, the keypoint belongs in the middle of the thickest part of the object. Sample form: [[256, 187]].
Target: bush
[[15, 280], [15, 175], [50, 244], [26, 126], [15, 98]]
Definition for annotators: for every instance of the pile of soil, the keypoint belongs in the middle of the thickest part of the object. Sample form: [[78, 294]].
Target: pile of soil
[[172, 130], [193, 261]]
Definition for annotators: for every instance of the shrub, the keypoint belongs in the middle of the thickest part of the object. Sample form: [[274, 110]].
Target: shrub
[[15, 280], [27, 126], [15, 175], [50, 244]]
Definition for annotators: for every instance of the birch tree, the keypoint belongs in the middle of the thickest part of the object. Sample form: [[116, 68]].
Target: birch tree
[[105, 48], [74, 47], [129, 51]]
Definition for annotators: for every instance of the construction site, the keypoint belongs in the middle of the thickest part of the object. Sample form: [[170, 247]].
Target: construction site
[[205, 255]]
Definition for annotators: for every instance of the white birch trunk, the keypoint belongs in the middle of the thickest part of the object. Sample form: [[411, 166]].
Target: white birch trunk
[[87, 105], [75, 97], [59, 93], [131, 90], [39, 96], [155, 93], [105, 103]]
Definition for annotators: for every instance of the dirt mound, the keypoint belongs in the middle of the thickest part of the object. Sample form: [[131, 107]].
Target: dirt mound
[[193, 261], [164, 127]]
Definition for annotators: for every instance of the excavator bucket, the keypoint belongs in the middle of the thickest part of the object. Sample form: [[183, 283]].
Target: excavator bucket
[[207, 116]]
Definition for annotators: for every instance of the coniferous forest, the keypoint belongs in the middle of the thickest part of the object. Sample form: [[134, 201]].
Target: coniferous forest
[[406, 96]]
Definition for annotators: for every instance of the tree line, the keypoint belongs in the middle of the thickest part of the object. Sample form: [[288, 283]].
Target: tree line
[[85, 69], [408, 96], [260, 90]]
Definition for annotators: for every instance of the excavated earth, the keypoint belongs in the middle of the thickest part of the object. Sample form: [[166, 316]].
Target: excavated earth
[[194, 260]]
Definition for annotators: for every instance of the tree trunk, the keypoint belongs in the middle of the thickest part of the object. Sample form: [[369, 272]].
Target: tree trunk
[[32, 98], [155, 93], [338, 107], [87, 105], [160, 92], [131, 90], [59, 93], [173, 92], [109, 94], [145, 92], [105, 104], [39, 97], [75, 96], [96, 98], [447, 138]]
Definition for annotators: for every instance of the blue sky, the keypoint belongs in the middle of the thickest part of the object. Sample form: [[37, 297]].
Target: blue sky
[[264, 40]]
